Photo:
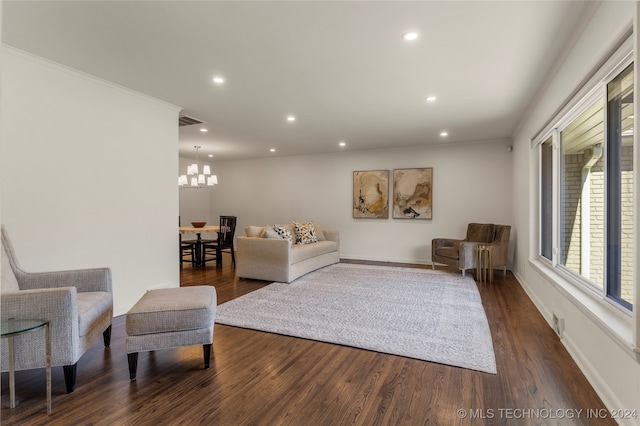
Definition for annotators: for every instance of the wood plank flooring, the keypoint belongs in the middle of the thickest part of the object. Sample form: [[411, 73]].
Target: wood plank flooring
[[258, 378]]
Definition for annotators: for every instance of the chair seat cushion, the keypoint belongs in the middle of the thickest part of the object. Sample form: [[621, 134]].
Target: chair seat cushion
[[172, 309], [91, 306], [449, 252]]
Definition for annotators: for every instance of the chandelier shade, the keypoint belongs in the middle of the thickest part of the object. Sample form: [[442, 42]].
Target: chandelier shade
[[195, 179]]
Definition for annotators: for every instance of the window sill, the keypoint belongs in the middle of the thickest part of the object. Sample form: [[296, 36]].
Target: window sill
[[614, 321]]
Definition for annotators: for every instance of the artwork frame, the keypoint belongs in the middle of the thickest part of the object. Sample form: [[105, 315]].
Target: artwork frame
[[413, 193], [371, 194]]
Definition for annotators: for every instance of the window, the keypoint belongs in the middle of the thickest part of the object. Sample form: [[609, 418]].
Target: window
[[586, 190], [582, 194], [620, 188], [546, 199]]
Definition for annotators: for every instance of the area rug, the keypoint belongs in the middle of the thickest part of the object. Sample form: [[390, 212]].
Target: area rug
[[430, 315]]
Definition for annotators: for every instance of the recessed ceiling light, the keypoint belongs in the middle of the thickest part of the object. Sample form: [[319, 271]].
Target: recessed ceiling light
[[291, 118], [203, 130], [410, 36], [444, 134], [218, 80], [342, 143], [272, 150], [430, 98], [210, 155]]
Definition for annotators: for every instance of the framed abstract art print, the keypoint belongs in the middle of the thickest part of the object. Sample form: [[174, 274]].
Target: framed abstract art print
[[371, 194], [413, 193]]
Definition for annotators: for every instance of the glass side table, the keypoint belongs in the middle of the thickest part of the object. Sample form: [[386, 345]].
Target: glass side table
[[14, 327]]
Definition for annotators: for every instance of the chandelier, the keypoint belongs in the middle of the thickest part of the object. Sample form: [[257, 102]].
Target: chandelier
[[195, 179]]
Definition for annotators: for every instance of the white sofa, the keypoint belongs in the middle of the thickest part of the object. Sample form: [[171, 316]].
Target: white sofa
[[263, 255]]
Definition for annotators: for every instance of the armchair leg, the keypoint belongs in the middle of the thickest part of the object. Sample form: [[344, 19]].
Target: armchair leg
[[70, 376], [207, 355], [133, 364], [106, 336], [464, 273]]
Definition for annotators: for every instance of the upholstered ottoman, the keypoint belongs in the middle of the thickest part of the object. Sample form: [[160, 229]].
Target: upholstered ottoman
[[170, 318]]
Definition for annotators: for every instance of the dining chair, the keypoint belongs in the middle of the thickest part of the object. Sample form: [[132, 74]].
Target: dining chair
[[223, 242], [187, 249]]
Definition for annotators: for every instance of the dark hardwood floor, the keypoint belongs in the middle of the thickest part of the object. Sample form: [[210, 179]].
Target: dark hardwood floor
[[258, 378]]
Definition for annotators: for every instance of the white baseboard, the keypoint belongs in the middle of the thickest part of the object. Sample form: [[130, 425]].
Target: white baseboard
[[388, 259], [160, 286]]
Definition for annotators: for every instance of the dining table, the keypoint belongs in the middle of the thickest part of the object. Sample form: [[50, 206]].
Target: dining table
[[199, 261]]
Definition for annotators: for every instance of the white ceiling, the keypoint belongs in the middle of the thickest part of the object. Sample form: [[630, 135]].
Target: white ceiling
[[340, 67]]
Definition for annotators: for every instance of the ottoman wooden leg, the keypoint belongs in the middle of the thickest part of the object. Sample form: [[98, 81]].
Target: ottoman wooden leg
[[207, 355], [133, 364]]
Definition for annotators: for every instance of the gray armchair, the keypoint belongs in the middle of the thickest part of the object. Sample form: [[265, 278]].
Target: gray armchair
[[462, 253], [78, 304]]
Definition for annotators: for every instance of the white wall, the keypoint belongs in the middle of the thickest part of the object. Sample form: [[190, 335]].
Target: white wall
[[88, 175], [602, 349], [1, 63], [471, 183]]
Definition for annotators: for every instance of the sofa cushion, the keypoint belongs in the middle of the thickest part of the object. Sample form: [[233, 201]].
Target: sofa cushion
[[283, 232], [300, 252], [305, 233], [480, 232], [290, 227], [254, 231], [8, 278]]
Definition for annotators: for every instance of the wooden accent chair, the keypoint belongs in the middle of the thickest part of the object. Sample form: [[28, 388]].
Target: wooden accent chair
[[224, 242], [463, 253], [78, 304], [187, 249]]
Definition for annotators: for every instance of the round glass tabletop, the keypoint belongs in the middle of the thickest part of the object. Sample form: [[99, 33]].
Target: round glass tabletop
[[14, 326]]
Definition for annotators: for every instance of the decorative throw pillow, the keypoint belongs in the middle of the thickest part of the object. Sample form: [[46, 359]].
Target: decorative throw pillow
[[254, 231], [270, 233], [284, 233], [305, 233], [319, 232]]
